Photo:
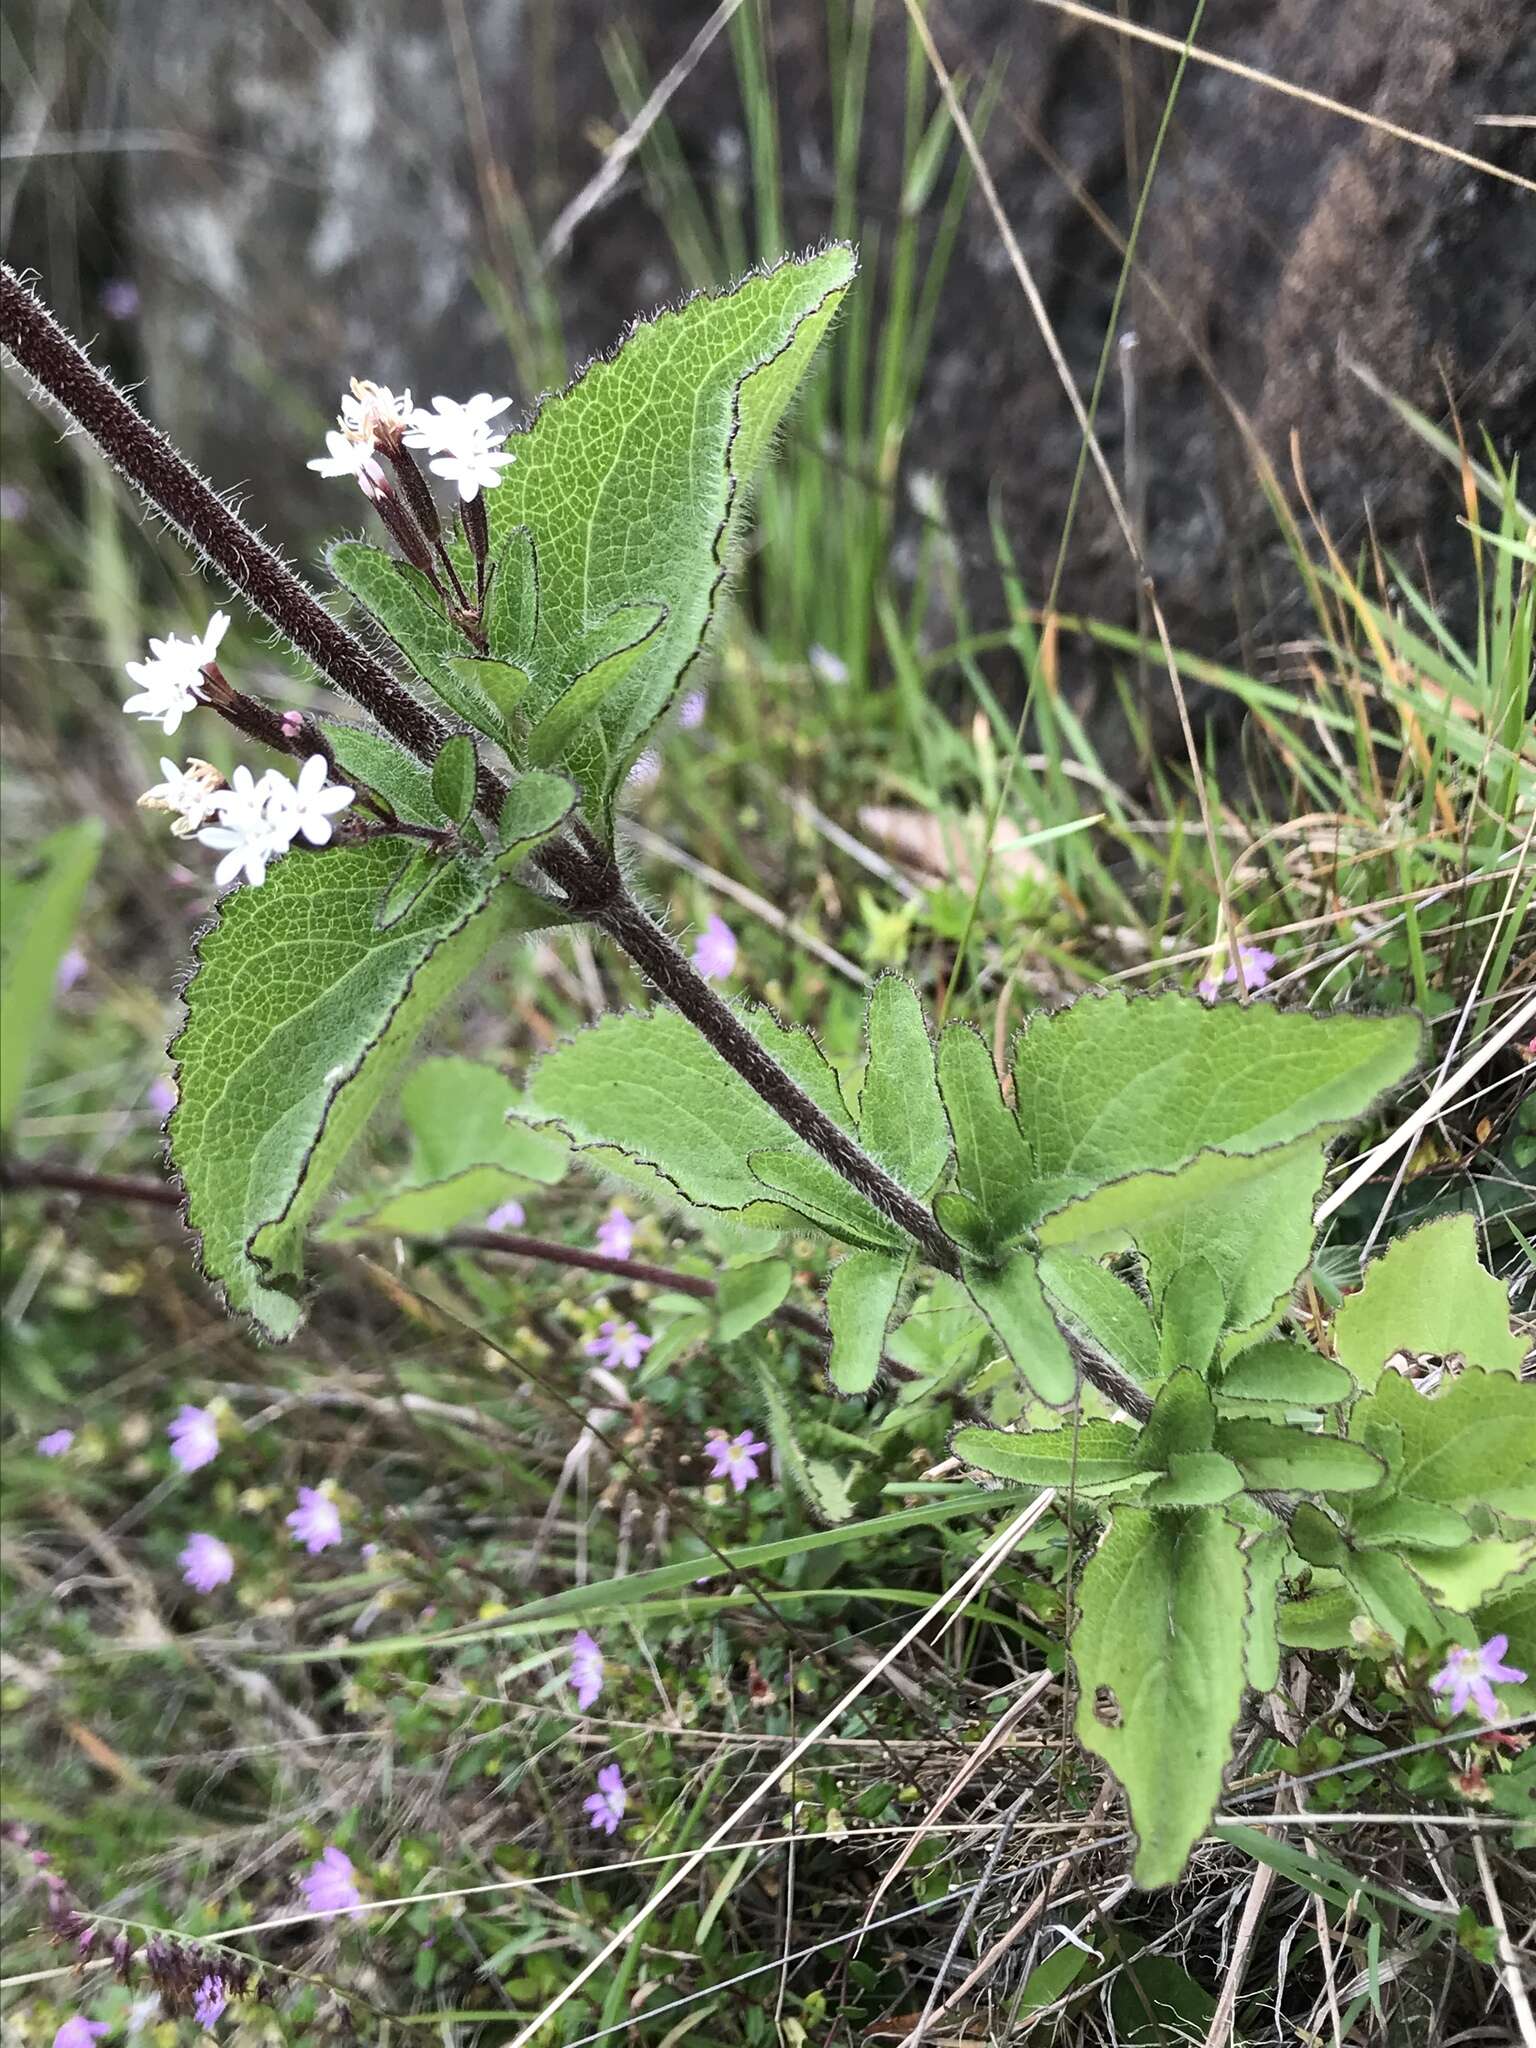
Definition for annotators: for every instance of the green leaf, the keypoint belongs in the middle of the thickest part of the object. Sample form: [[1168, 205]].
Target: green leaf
[[40, 898], [1261, 1650], [1275, 1456], [1159, 1654], [1322, 1621], [819, 1193], [607, 653], [1472, 1442], [298, 1017], [453, 778], [1118, 1085], [649, 1086], [468, 1155], [1106, 1308], [901, 1119], [380, 765], [1464, 1578], [1156, 2004], [1511, 1611], [1428, 1293], [408, 612], [1290, 1374], [537, 805], [511, 618], [747, 1295], [1402, 1522], [1085, 1459], [1316, 1538], [1193, 1479], [501, 686], [1183, 1419], [1392, 1596], [1193, 1305], [861, 1296], [1013, 1302], [632, 483], [992, 1167]]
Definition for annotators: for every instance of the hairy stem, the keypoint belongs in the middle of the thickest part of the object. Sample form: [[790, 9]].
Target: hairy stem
[[154, 467]]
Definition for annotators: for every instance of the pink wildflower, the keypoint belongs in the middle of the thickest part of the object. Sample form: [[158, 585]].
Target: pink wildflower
[[618, 1344], [510, 1216], [329, 1885], [194, 1438], [1257, 965], [606, 1805], [79, 2033], [586, 1669], [315, 1522], [616, 1234], [55, 1443], [210, 2000], [735, 1457], [1472, 1675], [206, 1563], [714, 950]]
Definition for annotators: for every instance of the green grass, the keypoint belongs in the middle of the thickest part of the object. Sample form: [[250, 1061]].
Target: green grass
[[182, 1758]]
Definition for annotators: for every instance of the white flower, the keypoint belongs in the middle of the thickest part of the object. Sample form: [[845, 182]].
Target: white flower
[[461, 438], [169, 681], [306, 806], [372, 411], [258, 820], [350, 458], [191, 792], [252, 829], [475, 467], [452, 423]]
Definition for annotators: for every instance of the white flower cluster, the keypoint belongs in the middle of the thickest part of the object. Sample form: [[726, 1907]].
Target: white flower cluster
[[464, 446], [260, 817], [170, 681]]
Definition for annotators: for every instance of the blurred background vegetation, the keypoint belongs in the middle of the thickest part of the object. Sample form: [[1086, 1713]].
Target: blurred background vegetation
[[938, 735]]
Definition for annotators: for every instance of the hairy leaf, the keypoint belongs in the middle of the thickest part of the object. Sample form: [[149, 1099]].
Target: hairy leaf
[[747, 1295], [1428, 1292], [1116, 1086], [1322, 1621], [861, 1296], [1274, 1455], [1261, 1654], [40, 898], [630, 484], [1106, 1308], [387, 769], [453, 778], [1472, 1442], [1193, 1479], [1159, 1649], [1012, 1300], [1392, 1596], [1402, 1522], [1183, 1419], [1085, 1459], [1465, 1577], [901, 1119], [992, 1167], [1291, 1374], [813, 1189], [406, 609], [1192, 1304], [298, 1017]]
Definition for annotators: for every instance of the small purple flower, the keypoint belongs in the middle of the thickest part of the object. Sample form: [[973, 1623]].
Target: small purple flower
[[1472, 1675], [690, 713], [206, 1563], [79, 2033], [329, 1885], [194, 1438], [292, 723], [618, 1344], [586, 1669], [606, 1805], [645, 770], [316, 1523], [209, 2001], [714, 950], [55, 1443], [616, 1234], [510, 1216], [735, 1457], [69, 970], [161, 1095], [1257, 965], [120, 298]]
